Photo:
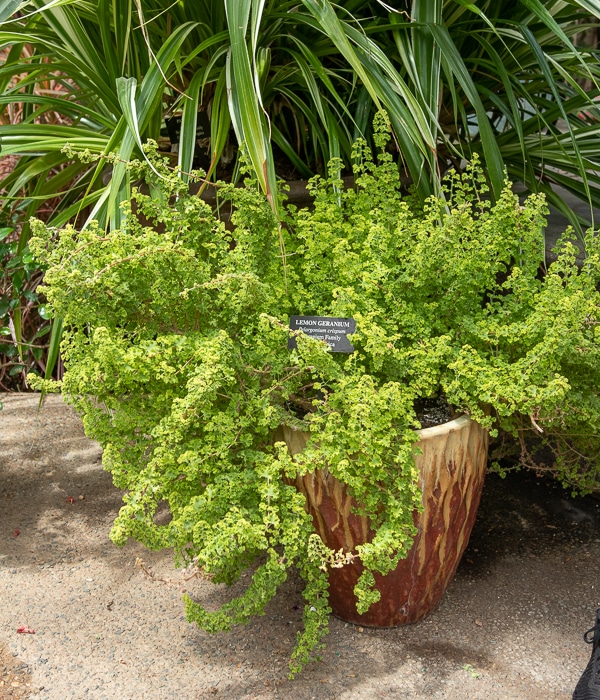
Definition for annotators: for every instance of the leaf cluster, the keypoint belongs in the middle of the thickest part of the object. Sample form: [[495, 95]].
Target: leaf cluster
[[176, 332], [298, 81], [24, 318]]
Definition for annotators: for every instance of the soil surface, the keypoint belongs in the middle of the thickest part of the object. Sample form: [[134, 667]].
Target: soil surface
[[95, 624]]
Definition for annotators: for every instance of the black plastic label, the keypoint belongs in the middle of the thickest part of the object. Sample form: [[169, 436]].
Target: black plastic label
[[333, 331]]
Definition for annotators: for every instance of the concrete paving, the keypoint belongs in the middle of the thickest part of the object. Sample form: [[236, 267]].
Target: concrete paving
[[105, 627]]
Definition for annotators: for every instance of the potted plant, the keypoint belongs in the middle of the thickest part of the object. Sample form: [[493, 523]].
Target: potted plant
[[180, 358]]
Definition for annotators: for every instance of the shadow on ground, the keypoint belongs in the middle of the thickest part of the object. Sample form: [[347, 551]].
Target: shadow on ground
[[509, 628]]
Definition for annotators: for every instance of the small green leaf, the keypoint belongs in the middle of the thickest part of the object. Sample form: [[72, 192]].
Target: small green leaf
[[30, 296], [27, 257], [42, 332], [44, 311], [13, 263]]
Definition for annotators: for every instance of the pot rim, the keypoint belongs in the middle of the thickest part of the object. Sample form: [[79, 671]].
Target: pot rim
[[455, 424]]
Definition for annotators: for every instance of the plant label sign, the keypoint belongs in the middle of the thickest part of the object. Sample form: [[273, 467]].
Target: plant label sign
[[333, 331]]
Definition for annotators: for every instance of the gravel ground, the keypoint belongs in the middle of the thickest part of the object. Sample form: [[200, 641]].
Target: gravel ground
[[98, 625]]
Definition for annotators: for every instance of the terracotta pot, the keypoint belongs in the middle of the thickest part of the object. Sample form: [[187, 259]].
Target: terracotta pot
[[452, 468]]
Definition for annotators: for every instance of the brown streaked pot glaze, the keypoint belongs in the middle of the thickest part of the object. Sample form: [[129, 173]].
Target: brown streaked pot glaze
[[452, 467]]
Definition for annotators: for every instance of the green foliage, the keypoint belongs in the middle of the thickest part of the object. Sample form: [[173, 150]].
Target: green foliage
[[24, 317], [176, 330], [298, 81]]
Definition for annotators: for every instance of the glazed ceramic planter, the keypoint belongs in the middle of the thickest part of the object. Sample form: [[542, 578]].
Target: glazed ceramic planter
[[452, 467]]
